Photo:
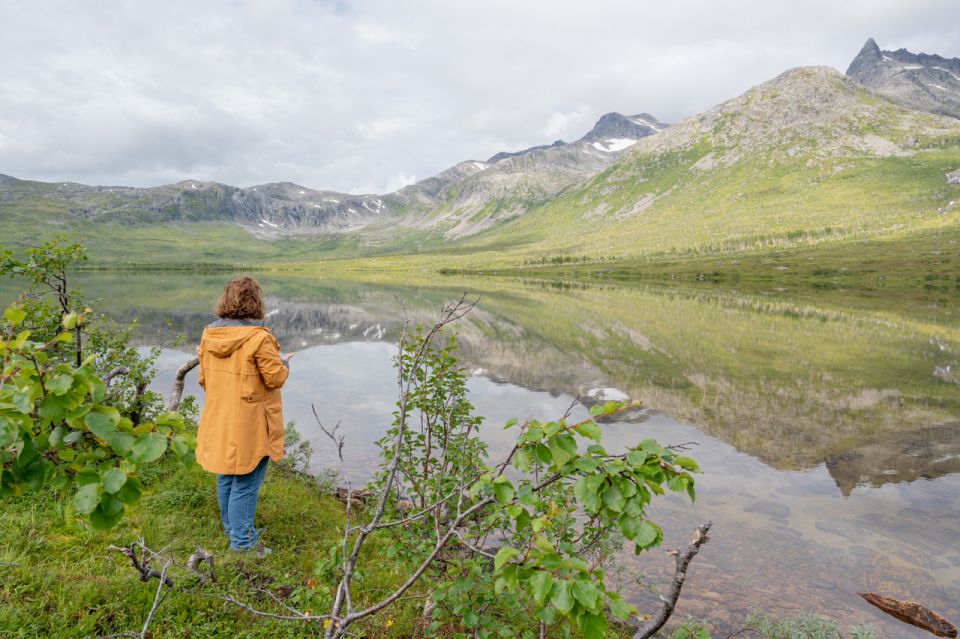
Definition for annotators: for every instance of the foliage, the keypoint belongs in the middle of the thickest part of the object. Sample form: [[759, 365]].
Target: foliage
[[64, 423], [806, 626], [297, 450], [690, 631], [542, 523]]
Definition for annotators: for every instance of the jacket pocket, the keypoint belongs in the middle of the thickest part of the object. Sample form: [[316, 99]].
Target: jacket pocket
[[274, 419], [251, 389]]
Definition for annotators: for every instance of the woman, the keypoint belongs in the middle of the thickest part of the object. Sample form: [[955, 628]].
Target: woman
[[241, 426]]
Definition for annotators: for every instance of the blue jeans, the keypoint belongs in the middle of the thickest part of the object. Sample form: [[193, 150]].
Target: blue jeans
[[237, 495]]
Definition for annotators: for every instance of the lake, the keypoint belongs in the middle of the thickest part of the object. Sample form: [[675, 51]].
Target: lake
[[826, 422]]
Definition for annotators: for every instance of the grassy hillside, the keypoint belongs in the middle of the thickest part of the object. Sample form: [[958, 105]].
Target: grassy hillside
[[807, 159]]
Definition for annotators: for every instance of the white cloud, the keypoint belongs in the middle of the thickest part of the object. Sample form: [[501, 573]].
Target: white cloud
[[336, 94], [567, 126]]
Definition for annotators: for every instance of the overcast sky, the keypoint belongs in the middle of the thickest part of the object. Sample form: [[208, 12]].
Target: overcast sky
[[367, 96]]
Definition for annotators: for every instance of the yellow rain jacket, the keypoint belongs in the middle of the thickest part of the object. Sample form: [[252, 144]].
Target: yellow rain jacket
[[242, 420]]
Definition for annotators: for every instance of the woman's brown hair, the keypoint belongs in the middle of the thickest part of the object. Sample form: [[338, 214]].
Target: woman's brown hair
[[242, 298]]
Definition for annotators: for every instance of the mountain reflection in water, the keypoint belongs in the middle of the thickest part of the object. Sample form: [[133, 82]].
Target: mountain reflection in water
[[829, 443]]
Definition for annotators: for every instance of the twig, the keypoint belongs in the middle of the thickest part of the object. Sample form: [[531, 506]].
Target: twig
[[679, 576], [156, 599]]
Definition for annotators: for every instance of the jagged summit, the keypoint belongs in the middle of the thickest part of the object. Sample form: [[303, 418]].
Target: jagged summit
[[926, 82], [613, 133], [615, 125]]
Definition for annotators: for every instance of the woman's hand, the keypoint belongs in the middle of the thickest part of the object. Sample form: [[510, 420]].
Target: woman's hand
[[286, 358]]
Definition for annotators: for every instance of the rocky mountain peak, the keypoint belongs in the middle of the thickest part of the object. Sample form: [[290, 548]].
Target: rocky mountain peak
[[921, 81], [616, 125]]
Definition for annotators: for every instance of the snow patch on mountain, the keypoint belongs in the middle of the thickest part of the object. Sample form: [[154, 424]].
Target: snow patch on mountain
[[612, 145]]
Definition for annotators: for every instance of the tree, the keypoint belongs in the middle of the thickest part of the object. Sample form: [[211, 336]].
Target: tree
[[66, 424]]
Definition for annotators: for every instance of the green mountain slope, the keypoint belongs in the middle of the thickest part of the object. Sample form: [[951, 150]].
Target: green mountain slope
[[807, 157]]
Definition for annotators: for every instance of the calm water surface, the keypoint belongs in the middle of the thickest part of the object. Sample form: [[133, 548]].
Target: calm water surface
[[827, 425]]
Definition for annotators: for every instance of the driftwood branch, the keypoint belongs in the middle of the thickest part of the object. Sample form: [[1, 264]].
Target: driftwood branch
[[669, 602], [912, 613], [201, 557], [177, 391]]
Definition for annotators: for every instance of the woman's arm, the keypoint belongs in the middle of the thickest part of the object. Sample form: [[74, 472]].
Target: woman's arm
[[273, 370], [200, 377]]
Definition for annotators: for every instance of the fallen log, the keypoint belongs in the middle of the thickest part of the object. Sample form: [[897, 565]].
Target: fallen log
[[912, 613]]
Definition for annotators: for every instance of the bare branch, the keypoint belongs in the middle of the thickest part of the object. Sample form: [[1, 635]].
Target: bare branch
[[177, 390], [142, 564], [679, 576], [108, 378], [201, 556], [261, 613]]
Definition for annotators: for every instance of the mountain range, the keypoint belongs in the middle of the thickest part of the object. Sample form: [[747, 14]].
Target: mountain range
[[809, 156]]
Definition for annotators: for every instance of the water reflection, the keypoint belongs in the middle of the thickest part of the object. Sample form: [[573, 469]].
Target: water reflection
[[829, 433], [783, 541]]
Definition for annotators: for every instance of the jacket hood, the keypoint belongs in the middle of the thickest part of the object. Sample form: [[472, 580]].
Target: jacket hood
[[222, 342]]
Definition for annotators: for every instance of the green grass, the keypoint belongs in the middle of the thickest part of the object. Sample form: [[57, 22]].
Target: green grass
[[66, 584]]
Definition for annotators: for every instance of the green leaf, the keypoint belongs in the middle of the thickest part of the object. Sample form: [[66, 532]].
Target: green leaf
[[113, 480], [505, 554], [8, 432], [148, 448], [620, 608], [121, 443], [611, 407], [587, 492], [14, 315], [560, 597], [60, 383], [55, 438], [108, 513], [630, 526], [613, 498], [503, 490], [87, 498], [560, 449], [587, 594], [129, 493], [587, 464], [541, 542], [593, 626], [589, 430], [101, 424], [170, 418], [70, 320], [510, 423], [540, 586], [470, 618], [650, 535], [687, 463]]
